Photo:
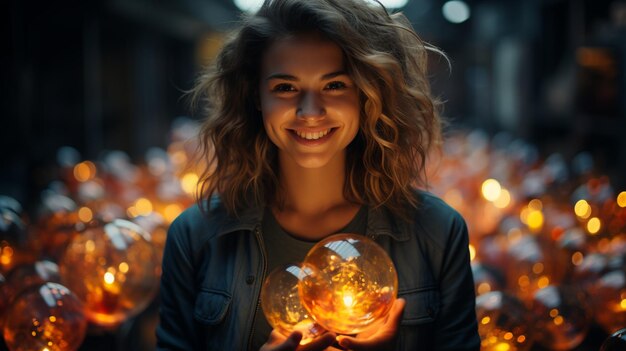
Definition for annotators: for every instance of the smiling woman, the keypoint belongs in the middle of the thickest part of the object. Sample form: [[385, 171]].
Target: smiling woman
[[320, 120]]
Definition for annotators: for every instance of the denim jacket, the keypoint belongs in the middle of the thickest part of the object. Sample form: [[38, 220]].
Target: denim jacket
[[214, 264]]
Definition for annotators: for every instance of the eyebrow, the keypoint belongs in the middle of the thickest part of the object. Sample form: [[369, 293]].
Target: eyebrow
[[289, 77]]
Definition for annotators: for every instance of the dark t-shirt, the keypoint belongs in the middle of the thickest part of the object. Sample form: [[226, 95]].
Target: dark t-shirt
[[283, 248]]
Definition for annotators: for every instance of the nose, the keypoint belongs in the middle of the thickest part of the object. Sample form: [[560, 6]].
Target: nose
[[310, 106]]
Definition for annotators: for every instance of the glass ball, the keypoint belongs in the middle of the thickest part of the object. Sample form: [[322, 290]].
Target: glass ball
[[562, 317], [608, 296], [113, 269], [15, 244], [502, 322], [615, 342], [45, 317], [280, 300], [348, 283]]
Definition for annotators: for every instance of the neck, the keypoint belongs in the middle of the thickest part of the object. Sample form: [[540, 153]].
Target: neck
[[312, 191]]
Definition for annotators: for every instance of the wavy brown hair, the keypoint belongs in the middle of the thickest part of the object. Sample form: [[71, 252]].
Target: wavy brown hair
[[399, 121]]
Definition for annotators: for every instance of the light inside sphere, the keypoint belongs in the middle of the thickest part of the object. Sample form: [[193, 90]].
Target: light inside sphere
[[348, 283], [113, 269], [46, 316], [280, 301]]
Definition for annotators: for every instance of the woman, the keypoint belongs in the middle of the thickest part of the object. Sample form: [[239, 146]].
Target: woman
[[319, 121]]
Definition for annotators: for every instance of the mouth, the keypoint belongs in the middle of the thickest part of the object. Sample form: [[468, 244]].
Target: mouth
[[312, 136]]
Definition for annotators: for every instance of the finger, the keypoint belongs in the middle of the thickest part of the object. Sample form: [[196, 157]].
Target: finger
[[319, 343], [290, 344], [395, 315]]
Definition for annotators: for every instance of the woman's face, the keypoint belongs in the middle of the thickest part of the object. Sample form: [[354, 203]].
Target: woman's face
[[310, 105]]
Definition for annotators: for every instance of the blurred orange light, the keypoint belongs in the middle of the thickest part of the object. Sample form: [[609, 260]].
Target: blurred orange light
[[582, 209], [621, 199], [84, 171], [593, 226], [85, 214]]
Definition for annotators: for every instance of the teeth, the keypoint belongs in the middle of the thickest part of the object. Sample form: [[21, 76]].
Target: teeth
[[312, 136]]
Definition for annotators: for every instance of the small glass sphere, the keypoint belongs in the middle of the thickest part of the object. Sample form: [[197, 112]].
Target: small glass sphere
[[615, 342], [561, 317], [45, 317], [608, 296], [502, 322], [349, 282], [282, 306], [113, 269]]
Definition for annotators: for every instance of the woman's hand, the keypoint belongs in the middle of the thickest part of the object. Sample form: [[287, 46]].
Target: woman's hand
[[277, 342], [380, 336]]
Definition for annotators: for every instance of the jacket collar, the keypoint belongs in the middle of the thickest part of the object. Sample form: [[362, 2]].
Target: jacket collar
[[379, 222]]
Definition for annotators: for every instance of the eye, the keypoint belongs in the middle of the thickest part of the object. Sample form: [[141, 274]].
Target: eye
[[283, 88], [336, 85]]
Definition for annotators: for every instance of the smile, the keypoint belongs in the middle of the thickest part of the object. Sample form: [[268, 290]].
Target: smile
[[312, 135]]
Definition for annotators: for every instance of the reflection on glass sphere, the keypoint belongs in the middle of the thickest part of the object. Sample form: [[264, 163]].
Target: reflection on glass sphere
[[615, 342], [45, 317], [608, 296], [348, 283], [26, 275], [282, 307], [562, 317], [113, 270], [502, 322]]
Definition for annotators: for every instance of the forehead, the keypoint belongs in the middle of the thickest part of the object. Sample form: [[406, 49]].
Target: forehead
[[307, 53]]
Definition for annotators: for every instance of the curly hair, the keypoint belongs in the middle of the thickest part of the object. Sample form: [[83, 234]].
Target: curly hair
[[399, 122]]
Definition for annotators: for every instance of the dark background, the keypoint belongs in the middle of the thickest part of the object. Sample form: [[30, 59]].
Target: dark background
[[111, 75]]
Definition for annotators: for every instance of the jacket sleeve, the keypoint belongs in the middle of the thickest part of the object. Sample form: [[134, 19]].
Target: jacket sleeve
[[456, 327], [177, 329]]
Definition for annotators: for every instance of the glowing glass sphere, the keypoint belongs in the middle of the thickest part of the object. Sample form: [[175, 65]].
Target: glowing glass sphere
[[281, 304], [15, 246], [45, 317], [348, 283], [561, 317], [26, 275], [113, 269], [502, 322]]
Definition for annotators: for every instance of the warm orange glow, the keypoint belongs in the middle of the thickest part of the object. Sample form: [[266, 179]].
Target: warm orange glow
[[84, 171], [577, 258], [143, 206], [132, 212], [502, 347], [52, 319], [109, 278], [508, 336], [85, 214], [558, 320], [521, 339], [593, 226], [171, 212], [504, 200], [523, 281], [535, 220], [543, 282], [491, 189], [554, 312], [123, 267], [523, 216], [189, 183], [538, 268], [472, 252], [582, 209], [535, 204], [483, 288], [485, 320], [621, 199]]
